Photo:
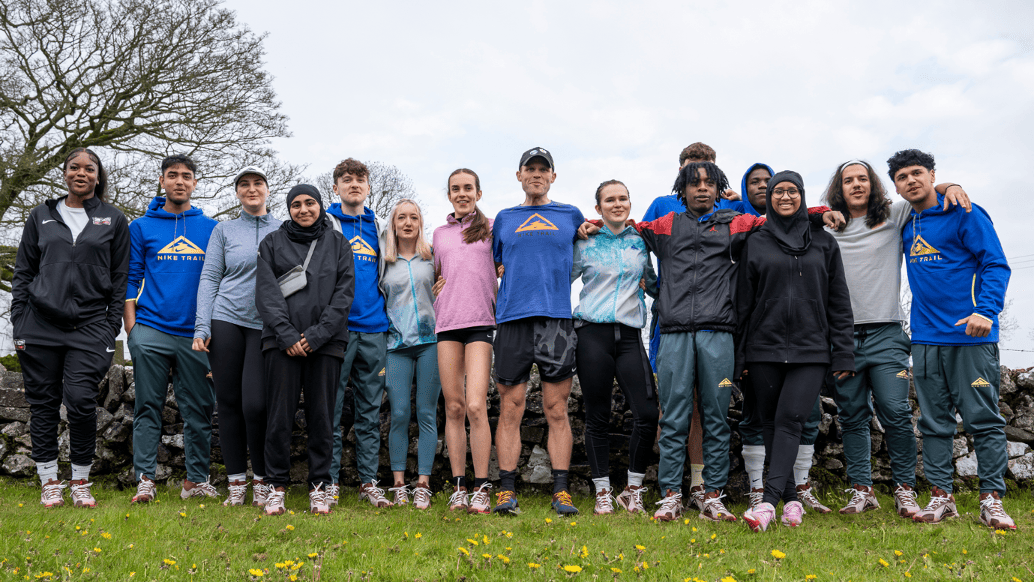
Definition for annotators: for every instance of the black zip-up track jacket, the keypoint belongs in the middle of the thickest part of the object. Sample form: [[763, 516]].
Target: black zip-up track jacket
[[69, 283]]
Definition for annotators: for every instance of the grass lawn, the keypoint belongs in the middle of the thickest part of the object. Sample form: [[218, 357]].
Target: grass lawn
[[175, 541]]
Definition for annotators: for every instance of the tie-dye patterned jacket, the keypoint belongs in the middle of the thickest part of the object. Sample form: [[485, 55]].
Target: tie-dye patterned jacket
[[611, 267]]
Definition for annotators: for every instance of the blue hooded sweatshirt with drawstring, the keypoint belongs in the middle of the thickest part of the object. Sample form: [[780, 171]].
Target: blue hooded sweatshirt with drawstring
[[744, 205], [167, 253], [367, 313]]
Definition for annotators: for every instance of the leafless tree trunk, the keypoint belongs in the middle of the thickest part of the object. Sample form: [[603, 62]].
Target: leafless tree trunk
[[388, 185]]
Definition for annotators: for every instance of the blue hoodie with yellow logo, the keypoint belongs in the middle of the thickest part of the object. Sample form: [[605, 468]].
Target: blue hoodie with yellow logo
[[368, 307], [956, 268], [166, 255]]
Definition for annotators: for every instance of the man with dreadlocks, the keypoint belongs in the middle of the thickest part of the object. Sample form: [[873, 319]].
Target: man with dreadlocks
[[696, 251]]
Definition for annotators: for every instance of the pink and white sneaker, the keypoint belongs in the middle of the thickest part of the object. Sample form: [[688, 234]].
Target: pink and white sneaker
[[992, 513], [53, 494], [759, 517], [481, 503], [793, 514], [421, 496], [81, 496]]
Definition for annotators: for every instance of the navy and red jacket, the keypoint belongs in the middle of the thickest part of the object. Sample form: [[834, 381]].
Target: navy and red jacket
[[698, 260]]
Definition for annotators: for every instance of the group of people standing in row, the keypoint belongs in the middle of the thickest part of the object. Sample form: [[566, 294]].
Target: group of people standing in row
[[762, 290]]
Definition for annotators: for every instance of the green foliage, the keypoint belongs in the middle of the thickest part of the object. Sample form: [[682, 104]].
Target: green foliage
[[176, 540], [11, 362]]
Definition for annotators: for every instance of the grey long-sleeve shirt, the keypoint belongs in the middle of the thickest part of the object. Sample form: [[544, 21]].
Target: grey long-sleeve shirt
[[227, 289]]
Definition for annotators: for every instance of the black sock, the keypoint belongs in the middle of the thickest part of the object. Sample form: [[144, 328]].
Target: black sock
[[460, 481], [560, 480], [479, 481], [507, 479]]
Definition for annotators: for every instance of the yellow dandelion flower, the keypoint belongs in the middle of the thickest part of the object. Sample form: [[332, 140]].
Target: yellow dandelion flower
[[183, 515], [418, 535], [707, 556], [693, 540], [722, 551], [621, 556], [279, 565], [615, 570], [810, 577], [486, 556], [289, 527], [313, 555], [585, 552], [645, 565], [107, 535], [573, 568], [132, 573], [485, 539], [256, 572], [964, 551], [549, 520], [883, 563], [573, 523], [714, 535], [693, 528], [472, 541], [778, 554], [641, 548], [201, 506], [997, 531], [293, 577], [464, 551], [169, 562], [908, 574], [534, 565], [686, 521], [20, 505], [504, 558], [899, 553], [727, 579], [77, 527]]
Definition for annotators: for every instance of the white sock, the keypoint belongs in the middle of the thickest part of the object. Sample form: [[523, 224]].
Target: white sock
[[237, 477], [754, 462], [47, 470], [695, 475], [601, 484], [635, 479], [803, 463], [81, 472]]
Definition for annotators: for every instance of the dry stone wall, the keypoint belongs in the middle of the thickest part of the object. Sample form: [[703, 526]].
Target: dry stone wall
[[115, 428]]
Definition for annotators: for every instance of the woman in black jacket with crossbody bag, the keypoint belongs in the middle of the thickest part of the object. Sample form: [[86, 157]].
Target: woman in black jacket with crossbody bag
[[794, 323], [304, 285]]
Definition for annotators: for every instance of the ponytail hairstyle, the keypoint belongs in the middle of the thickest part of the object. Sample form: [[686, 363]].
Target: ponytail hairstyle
[[101, 190], [605, 184], [479, 228], [392, 244]]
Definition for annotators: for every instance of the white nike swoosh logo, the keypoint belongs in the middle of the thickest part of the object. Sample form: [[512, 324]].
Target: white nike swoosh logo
[[109, 350], [50, 221]]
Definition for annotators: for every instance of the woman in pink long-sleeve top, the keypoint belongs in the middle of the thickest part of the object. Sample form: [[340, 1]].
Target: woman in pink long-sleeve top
[[465, 321]]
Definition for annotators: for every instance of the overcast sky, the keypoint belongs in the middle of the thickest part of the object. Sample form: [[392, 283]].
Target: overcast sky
[[616, 92]]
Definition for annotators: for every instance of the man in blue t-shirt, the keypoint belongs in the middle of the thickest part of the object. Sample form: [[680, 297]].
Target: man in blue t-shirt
[[534, 242], [366, 353]]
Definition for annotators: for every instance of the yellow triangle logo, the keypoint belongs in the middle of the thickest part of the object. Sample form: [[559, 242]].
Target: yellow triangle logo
[[903, 375], [980, 382], [536, 222], [921, 247], [181, 246], [360, 247], [725, 383]]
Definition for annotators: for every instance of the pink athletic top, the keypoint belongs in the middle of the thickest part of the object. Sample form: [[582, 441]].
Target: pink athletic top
[[469, 296]]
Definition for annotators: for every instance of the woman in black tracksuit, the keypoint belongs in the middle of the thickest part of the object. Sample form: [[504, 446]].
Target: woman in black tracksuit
[[794, 323], [303, 339], [67, 294]]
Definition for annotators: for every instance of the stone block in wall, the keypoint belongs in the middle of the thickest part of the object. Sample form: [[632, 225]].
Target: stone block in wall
[[1006, 411], [1021, 468], [876, 439], [1016, 449], [532, 434], [130, 393], [14, 414], [1006, 384], [19, 465], [967, 466], [3, 448], [1023, 413], [118, 431], [15, 429], [103, 418], [173, 441], [1025, 381], [64, 446], [959, 447], [1018, 434], [170, 397], [12, 397], [537, 469], [169, 416]]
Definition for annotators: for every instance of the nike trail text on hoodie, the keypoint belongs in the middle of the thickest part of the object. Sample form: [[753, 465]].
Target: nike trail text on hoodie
[[368, 308]]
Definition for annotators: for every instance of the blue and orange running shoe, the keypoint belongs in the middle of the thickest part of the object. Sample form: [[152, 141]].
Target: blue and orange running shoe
[[562, 504], [506, 503]]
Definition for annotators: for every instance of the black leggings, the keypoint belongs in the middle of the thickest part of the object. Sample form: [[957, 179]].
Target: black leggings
[[235, 357], [785, 395], [605, 352]]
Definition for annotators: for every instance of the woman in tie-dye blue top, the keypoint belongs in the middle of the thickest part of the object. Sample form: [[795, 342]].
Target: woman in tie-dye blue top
[[406, 280], [609, 319]]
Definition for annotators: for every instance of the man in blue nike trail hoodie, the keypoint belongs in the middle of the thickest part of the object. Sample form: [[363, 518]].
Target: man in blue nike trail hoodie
[[167, 252], [958, 275], [366, 353]]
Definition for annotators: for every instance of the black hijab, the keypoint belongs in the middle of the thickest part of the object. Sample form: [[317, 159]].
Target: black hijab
[[296, 232], [791, 233]]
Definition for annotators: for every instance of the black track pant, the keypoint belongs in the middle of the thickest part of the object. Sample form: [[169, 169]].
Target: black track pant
[[235, 356], [785, 395], [67, 369], [605, 352], [286, 378]]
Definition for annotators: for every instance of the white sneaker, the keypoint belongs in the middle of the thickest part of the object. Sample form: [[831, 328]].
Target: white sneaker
[[458, 501], [480, 501], [755, 496], [146, 491], [941, 506], [260, 492], [274, 503], [806, 497], [238, 490], [203, 489], [331, 496], [53, 494], [631, 498], [992, 513], [421, 496], [317, 501], [671, 506], [81, 496], [862, 500], [400, 495], [371, 493], [905, 501], [603, 504], [697, 498]]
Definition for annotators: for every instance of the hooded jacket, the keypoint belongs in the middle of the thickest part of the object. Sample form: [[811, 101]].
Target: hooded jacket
[[956, 267], [167, 254], [793, 306], [364, 233], [746, 207], [72, 283], [320, 309]]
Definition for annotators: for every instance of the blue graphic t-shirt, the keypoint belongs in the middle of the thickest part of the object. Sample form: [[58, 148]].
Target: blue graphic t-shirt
[[535, 246]]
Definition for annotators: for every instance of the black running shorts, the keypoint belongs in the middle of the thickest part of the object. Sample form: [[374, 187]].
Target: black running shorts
[[546, 342]]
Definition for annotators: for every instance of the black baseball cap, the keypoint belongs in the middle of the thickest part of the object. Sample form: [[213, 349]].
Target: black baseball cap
[[537, 152]]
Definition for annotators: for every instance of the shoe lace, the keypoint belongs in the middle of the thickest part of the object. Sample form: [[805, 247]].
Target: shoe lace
[[318, 495], [422, 495], [755, 498], [938, 501], [637, 497], [81, 490], [905, 496], [206, 488], [604, 502], [563, 497], [400, 493], [858, 496], [716, 504], [374, 493], [459, 498], [994, 507], [481, 494], [276, 498], [146, 488], [332, 491], [53, 491], [670, 502], [236, 491], [504, 497]]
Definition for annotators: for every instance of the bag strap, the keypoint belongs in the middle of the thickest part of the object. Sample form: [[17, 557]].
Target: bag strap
[[309, 256]]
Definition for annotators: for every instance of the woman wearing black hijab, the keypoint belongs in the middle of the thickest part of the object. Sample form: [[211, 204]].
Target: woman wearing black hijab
[[304, 336], [792, 307]]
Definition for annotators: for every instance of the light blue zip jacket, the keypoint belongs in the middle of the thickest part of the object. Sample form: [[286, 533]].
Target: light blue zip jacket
[[611, 267], [406, 285]]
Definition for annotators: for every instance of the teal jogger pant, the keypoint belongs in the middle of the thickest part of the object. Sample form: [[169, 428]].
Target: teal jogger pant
[[154, 352], [365, 364], [964, 380], [403, 364], [685, 358]]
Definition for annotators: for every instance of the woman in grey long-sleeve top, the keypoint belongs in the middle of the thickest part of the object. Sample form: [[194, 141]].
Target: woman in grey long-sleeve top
[[229, 327]]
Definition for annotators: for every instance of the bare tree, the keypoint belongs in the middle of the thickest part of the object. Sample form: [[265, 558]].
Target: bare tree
[[141, 79], [388, 185]]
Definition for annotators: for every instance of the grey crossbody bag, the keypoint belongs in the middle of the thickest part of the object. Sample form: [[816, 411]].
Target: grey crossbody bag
[[294, 279]]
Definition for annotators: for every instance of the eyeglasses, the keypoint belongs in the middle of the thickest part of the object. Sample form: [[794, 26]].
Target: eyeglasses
[[791, 193]]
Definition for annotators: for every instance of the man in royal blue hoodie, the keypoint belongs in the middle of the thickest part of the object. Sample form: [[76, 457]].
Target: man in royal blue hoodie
[[366, 353], [167, 252], [958, 275]]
